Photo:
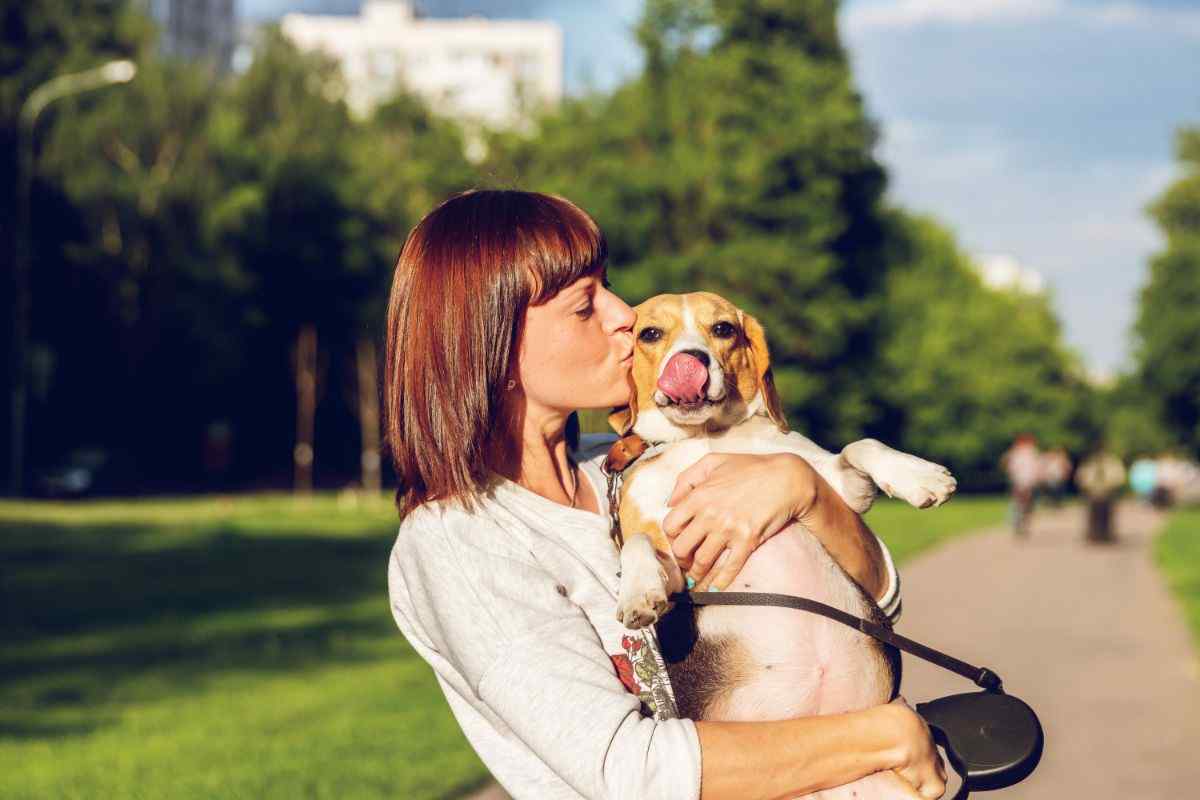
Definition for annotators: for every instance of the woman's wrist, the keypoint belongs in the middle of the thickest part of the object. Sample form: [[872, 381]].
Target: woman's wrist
[[891, 722], [842, 532], [802, 478]]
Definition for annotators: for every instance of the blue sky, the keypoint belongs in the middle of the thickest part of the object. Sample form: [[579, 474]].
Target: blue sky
[[1037, 129]]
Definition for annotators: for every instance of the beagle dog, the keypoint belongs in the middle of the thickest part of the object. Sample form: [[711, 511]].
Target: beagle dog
[[702, 384]]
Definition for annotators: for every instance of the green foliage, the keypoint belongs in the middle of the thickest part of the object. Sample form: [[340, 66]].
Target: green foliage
[[193, 224], [1133, 424], [738, 163], [1177, 551], [966, 368], [1168, 325]]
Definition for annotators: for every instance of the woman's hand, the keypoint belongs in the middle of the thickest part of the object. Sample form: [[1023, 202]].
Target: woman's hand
[[917, 761], [726, 505]]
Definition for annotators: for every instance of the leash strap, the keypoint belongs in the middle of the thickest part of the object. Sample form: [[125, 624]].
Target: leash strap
[[624, 452], [980, 676]]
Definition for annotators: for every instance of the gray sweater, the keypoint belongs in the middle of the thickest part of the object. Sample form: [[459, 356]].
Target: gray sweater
[[513, 607]]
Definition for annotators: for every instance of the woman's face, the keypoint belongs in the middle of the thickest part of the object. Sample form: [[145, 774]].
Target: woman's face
[[576, 349]]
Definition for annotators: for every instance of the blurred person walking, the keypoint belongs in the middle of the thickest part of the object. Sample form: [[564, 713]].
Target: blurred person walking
[[1099, 477], [1056, 470], [1021, 463], [1143, 478]]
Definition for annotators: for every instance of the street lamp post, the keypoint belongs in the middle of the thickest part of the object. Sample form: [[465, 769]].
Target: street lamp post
[[113, 72]]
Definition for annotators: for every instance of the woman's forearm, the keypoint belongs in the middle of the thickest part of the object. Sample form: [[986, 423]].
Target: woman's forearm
[[786, 758], [845, 537]]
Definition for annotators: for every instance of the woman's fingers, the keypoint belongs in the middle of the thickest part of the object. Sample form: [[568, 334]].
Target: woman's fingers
[[924, 784], [730, 564], [693, 476], [685, 543], [706, 556], [679, 516]]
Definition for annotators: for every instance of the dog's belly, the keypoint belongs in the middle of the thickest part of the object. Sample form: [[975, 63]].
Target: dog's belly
[[769, 663], [795, 663]]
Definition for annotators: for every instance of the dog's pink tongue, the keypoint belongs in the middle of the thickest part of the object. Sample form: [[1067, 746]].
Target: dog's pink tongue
[[684, 378]]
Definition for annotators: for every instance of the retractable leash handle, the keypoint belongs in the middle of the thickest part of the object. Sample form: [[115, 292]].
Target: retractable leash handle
[[992, 739]]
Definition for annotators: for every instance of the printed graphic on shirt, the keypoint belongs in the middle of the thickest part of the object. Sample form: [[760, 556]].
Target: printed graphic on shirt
[[643, 673]]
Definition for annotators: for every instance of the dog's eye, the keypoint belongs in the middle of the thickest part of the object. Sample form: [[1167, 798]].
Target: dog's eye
[[650, 335], [724, 330]]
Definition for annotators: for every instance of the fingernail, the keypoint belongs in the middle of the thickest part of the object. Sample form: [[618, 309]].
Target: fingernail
[[713, 589], [691, 582]]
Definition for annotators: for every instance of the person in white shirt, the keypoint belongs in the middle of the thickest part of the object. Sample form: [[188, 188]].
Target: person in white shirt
[[503, 576], [1021, 463]]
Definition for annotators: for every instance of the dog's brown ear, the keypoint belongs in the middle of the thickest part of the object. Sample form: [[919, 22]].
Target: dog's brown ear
[[622, 417], [762, 367]]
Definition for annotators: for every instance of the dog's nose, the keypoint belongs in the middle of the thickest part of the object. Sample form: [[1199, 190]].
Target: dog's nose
[[699, 355]]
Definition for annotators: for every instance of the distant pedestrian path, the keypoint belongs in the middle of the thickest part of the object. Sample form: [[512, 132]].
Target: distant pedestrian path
[[1089, 635]]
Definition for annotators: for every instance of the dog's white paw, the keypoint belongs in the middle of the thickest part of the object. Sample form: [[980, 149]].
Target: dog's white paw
[[643, 595], [642, 610], [918, 482]]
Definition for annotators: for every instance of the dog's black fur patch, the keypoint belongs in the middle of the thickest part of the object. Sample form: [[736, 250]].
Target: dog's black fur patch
[[701, 670]]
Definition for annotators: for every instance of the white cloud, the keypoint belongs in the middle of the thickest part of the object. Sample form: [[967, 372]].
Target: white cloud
[[1003, 271], [911, 13], [893, 14], [1083, 225], [1135, 15]]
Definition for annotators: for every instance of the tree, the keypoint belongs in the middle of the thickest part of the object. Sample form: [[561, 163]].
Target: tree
[[965, 368], [1168, 324], [739, 162], [134, 267]]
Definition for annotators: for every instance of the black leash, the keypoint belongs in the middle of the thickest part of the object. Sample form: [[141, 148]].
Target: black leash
[[980, 676]]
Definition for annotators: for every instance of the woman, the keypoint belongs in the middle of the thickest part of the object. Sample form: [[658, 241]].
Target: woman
[[503, 576]]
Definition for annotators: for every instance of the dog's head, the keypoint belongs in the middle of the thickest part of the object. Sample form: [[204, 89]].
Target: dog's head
[[699, 363]]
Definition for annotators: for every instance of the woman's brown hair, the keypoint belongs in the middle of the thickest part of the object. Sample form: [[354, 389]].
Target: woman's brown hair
[[465, 276]]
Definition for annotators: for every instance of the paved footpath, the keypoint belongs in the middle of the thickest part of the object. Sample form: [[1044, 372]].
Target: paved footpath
[[1086, 634]]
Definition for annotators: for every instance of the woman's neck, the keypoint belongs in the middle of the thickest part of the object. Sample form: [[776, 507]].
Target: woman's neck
[[539, 459]]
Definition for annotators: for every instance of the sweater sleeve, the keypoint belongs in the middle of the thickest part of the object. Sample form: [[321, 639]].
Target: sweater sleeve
[[501, 632], [889, 601]]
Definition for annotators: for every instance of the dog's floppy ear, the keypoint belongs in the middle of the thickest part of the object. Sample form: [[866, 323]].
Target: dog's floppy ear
[[762, 368], [622, 417]]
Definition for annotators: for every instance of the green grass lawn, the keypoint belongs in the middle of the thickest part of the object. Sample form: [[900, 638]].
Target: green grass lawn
[[238, 648], [1177, 551]]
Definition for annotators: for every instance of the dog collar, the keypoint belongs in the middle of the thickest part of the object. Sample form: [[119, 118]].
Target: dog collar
[[623, 454]]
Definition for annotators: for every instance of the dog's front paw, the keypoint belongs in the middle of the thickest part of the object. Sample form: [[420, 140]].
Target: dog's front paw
[[918, 482], [643, 595], [646, 609]]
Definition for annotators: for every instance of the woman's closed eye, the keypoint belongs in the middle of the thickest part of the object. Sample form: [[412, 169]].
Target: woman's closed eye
[[586, 312]]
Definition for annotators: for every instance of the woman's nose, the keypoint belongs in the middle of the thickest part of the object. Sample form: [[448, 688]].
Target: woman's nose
[[621, 317]]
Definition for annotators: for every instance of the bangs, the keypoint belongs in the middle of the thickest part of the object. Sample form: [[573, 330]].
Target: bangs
[[557, 244]]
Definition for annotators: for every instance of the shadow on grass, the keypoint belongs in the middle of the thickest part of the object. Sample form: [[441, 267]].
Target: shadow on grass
[[59, 580], [34, 729], [89, 613]]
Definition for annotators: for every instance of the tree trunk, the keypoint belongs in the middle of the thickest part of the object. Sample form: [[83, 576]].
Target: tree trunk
[[368, 415], [305, 361]]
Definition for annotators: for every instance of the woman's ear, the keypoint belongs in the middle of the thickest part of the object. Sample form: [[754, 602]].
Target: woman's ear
[[623, 418], [762, 368]]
